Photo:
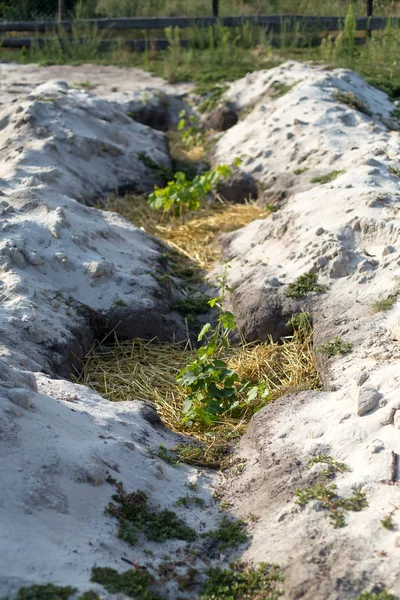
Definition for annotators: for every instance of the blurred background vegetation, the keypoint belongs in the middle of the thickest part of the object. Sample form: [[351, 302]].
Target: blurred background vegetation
[[34, 9]]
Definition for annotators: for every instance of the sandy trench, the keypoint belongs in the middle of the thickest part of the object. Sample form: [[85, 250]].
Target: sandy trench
[[62, 146]]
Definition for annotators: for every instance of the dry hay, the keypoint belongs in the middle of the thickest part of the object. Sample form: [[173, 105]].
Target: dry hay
[[197, 236], [146, 371]]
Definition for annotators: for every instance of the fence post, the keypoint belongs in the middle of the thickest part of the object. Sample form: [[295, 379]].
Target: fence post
[[370, 10], [60, 10], [215, 8]]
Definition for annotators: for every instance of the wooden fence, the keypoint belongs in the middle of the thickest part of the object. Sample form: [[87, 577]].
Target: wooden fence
[[271, 23]]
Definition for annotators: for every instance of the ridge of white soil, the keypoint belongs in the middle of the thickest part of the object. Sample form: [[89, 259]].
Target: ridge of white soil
[[348, 233]]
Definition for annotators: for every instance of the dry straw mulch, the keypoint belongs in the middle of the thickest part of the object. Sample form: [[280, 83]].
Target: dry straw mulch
[[146, 370]]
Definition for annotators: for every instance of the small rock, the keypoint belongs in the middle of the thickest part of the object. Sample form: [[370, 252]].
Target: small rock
[[21, 397], [320, 231], [299, 122], [337, 269], [322, 261], [368, 399], [388, 250], [5, 263], [362, 378], [397, 541], [273, 282], [34, 258], [17, 258], [98, 269], [367, 265], [396, 419], [388, 416]]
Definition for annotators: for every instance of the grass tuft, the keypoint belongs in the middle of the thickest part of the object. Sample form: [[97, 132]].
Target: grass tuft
[[212, 98], [327, 178], [215, 455], [351, 100], [384, 303], [305, 284]]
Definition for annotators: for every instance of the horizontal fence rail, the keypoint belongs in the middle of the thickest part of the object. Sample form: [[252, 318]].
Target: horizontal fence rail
[[272, 22]]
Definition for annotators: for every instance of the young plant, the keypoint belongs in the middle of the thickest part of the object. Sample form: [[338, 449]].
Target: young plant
[[181, 194], [212, 387], [189, 126]]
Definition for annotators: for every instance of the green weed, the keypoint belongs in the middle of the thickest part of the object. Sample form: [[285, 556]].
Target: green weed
[[384, 303], [376, 596], [336, 506], [159, 170], [89, 595], [45, 592], [326, 178], [387, 522], [394, 171], [192, 305], [134, 516], [305, 284], [211, 456], [134, 583], [351, 100], [229, 534], [332, 466], [279, 89], [188, 501], [242, 581], [300, 171], [212, 98], [120, 302], [192, 485], [335, 347]]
